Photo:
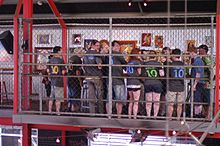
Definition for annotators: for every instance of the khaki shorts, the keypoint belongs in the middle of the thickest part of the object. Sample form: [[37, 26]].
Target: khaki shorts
[[57, 93], [172, 96]]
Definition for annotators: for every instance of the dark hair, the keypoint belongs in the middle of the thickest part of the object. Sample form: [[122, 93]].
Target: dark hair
[[56, 49], [94, 42], [165, 48], [113, 43], [205, 47], [176, 51], [153, 54]]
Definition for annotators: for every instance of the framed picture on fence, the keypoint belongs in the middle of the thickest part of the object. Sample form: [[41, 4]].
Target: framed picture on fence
[[44, 39], [76, 39], [41, 58], [190, 45], [158, 41], [127, 46], [146, 39]]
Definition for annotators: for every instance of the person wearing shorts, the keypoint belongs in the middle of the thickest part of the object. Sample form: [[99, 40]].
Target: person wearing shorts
[[176, 84], [153, 86], [118, 84], [56, 70], [133, 84]]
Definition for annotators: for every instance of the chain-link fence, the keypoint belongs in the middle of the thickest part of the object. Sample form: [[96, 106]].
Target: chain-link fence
[[154, 69], [6, 64]]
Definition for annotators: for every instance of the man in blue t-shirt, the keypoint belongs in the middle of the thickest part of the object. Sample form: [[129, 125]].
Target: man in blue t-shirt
[[197, 73]]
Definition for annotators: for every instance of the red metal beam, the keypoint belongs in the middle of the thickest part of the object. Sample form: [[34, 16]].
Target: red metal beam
[[15, 102], [6, 121], [63, 138], [27, 36], [16, 48], [217, 58], [1, 2], [26, 135], [56, 13], [64, 47], [18, 8]]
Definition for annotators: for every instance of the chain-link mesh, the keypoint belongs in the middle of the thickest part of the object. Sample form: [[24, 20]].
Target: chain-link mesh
[[6, 65], [138, 78]]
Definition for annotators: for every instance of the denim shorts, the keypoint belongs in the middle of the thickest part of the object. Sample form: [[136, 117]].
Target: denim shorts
[[118, 93]]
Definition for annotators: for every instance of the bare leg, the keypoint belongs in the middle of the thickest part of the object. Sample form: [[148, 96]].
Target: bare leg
[[50, 106], [156, 97], [119, 109], [136, 95], [179, 110], [58, 103], [148, 103], [130, 107], [206, 111], [107, 108], [170, 109]]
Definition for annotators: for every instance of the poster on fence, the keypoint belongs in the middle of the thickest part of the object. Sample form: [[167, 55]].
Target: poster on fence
[[146, 39], [158, 41], [190, 45]]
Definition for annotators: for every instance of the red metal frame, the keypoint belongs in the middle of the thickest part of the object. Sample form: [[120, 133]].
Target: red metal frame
[[63, 138], [26, 135], [1, 2], [6, 121], [217, 58], [56, 13], [27, 35], [17, 12]]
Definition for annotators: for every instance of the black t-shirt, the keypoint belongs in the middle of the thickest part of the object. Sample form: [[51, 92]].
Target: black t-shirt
[[117, 71], [133, 72], [56, 71], [92, 59], [151, 72], [176, 83]]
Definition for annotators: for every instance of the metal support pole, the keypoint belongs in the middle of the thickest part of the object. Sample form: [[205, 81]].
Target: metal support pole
[[217, 59], [211, 69], [167, 72], [16, 48], [16, 52], [110, 71], [19, 66], [27, 36], [64, 50], [63, 138], [26, 135]]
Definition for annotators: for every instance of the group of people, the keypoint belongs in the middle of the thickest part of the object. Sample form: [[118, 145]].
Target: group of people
[[160, 81]]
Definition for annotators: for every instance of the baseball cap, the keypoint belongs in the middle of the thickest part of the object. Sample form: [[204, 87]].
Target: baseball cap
[[205, 47]]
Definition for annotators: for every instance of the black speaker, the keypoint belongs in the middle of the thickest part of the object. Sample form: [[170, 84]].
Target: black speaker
[[6, 39]]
